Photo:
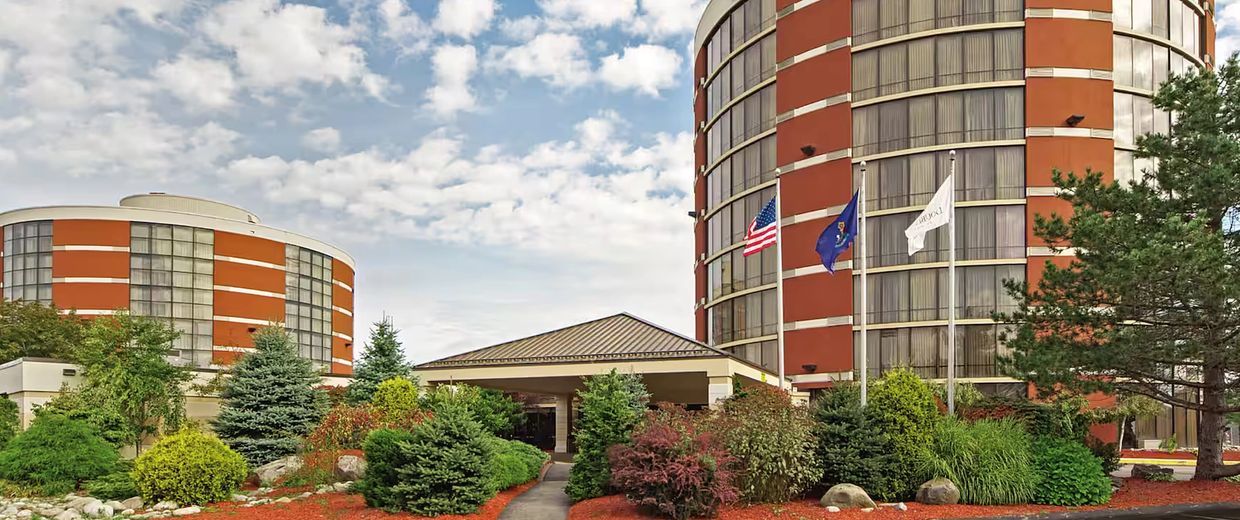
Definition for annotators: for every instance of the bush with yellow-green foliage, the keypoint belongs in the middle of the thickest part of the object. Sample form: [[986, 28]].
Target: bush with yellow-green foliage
[[396, 403], [904, 407], [189, 467]]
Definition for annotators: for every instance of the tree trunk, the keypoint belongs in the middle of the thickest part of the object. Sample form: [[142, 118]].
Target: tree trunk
[[1210, 430]]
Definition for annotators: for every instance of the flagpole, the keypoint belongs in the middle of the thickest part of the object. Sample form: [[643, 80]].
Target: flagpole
[[859, 259], [951, 290], [779, 275]]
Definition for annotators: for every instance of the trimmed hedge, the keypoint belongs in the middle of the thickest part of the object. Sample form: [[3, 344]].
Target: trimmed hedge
[[57, 454], [513, 463], [1070, 474], [189, 467]]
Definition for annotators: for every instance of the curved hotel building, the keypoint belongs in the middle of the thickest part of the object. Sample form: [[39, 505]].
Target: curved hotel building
[[809, 89], [213, 270]]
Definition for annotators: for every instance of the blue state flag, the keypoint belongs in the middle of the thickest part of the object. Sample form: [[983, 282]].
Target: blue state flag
[[838, 236]]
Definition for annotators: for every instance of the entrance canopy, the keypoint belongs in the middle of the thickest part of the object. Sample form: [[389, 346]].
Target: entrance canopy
[[674, 368]]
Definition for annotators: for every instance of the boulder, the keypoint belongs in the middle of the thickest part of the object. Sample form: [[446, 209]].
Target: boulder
[[116, 506], [97, 509], [1143, 471], [132, 503], [69, 514], [78, 503], [166, 505], [272, 471], [24, 514], [939, 491], [846, 496], [350, 467], [184, 511]]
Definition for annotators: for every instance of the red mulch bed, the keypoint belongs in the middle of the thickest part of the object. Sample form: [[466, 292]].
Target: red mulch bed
[[1179, 455], [1135, 493], [340, 506]]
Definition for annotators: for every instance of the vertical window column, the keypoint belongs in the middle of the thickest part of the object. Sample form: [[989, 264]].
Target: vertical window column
[[171, 276], [308, 303], [28, 262]]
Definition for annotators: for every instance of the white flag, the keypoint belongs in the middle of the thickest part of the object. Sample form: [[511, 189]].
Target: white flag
[[935, 215]]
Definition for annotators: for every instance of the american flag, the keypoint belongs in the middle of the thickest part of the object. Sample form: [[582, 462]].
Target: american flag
[[764, 230]]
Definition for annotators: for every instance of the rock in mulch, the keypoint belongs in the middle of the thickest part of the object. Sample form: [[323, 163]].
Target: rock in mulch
[[1143, 471], [350, 467], [939, 491], [846, 496], [272, 471]]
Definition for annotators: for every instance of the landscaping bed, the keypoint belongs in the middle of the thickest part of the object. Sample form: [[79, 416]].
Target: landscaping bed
[[1176, 455], [341, 506], [1135, 493]]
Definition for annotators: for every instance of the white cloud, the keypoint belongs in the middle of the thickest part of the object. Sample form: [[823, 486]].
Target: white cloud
[[559, 59], [646, 68], [203, 83], [403, 27], [325, 140], [590, 13], [453, 66], [596, 197], [464, 18], [522, 29], [5, 58], [1227, 20], [283, 46], [662, 18]]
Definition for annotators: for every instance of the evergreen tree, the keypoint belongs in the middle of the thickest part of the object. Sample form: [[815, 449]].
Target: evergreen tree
[[852, 447], [381, 360], [611, 406], [270, 401], [1146, 303]]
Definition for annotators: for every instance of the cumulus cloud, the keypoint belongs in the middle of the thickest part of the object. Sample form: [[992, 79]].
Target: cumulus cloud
[[285, 46], [201, 83], [558, 59], [1227, 20], [403, 27], [325, 140], [590, 13], [561, 197], [464, 18], [646, 68], [663, 18], [453, 66]]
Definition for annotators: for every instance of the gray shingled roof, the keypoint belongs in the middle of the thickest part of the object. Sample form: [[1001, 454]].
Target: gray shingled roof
[[622, 337]]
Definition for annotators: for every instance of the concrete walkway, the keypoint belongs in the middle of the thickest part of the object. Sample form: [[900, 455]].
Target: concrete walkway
[[545, 501]]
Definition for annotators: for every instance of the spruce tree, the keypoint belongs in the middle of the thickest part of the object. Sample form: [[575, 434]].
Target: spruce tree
[[270, 401], [611, 406], [381, 360]]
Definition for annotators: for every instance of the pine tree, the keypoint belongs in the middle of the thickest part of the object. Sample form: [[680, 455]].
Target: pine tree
[[381, 360], [270, 401], [611, 406]]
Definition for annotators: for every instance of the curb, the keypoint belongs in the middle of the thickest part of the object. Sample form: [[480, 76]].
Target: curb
[[1095, 514], [1169, 462]]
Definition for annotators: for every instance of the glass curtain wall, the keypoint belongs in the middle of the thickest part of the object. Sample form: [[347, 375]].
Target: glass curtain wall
[[27, 272]]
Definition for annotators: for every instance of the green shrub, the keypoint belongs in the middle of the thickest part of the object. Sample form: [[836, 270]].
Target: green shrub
[[10, 420], [445, 467], [513, 463], [1069, 474], [990, 461], [189, 467], [1170, 444], [497, 413], [851, 447], [611, 406], [384, 456], [118, 485], [57, 454], [773, 442], [904, 407], [396, 402], [1107, 452], [1160, 477]]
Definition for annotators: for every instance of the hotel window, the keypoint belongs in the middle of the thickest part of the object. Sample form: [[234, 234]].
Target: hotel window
[[763, 353], [753, 315], [746, 119], [1130, 168], [1136, 116], [728, 226], [734, 272], [745, 169], [953, 117], [911, 180], [171, 273], [1171, 20], [744, 22], [28, 262], [874, 20], [938, 61], [308, 302], [1145, 65], [982, 233], [921, 294], [749, 68], [924, 350]]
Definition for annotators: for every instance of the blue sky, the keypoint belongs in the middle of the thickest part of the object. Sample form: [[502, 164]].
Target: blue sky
[[497, 168]]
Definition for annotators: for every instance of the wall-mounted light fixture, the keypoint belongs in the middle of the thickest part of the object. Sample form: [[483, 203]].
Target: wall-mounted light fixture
[[1074, 119], [692, 214], [808, 150], [810, 367]]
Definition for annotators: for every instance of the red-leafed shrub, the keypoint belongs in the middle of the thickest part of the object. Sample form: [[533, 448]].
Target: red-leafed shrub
[[344, 428], [674, 466]]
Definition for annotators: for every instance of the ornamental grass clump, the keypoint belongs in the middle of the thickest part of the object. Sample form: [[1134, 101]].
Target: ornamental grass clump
[[990, 461], [189, 467], [1070, 474], [675, 467], [773, 443]]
